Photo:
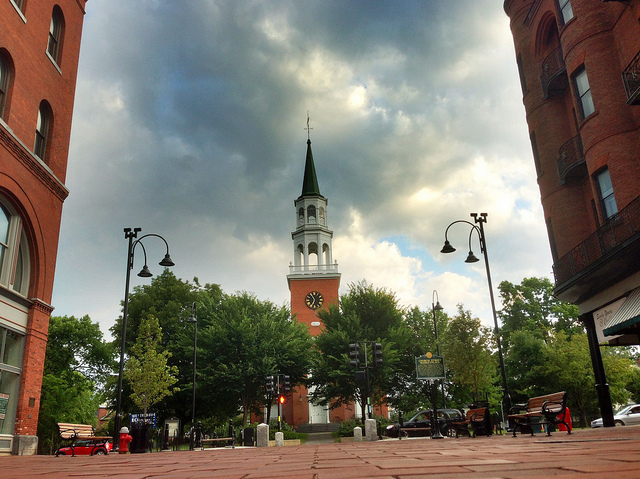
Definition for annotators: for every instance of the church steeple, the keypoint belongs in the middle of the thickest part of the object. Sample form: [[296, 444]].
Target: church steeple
[[312, 249], [310, 182]]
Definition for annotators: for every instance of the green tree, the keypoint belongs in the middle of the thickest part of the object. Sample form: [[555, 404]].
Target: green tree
[[245, 341], [77, 361], [470, 360], [531, 306], [168, 298], [365, 314], [147, 370]]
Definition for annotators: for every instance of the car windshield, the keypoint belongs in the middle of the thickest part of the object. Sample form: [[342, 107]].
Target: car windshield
[[624, 410]]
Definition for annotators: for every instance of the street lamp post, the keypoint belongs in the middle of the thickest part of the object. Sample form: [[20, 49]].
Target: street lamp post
[[437, 307], [193, 319], [130, 234], [471, 258]]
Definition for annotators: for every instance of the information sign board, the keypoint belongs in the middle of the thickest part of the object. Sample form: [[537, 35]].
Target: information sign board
[[429, 367]]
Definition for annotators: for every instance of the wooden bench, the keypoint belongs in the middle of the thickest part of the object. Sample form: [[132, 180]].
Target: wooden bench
[[546, 410], [74, 432], [214, 440], [478, 421]]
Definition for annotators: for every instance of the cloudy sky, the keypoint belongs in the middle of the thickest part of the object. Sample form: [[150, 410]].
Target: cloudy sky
[[190, 123]]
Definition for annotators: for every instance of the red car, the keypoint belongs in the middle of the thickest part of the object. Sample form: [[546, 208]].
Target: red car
[[86, 448]]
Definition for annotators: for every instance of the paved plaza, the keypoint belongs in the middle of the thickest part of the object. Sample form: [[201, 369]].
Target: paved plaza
[[610, 452]]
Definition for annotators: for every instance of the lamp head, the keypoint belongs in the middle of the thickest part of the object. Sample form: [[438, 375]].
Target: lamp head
[[144, 272], [166, 261], [447, 248], [438, 307], [471, 258]]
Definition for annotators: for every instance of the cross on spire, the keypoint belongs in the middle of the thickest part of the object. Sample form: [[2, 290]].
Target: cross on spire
[[308, 128]]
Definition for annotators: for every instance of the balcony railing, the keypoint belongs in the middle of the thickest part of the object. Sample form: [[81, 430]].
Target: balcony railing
[[571, 155], [618, 228], [631, 79], [313, 269], [554, 74]]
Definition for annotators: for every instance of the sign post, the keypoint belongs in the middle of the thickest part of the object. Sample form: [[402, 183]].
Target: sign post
[[431, 368]]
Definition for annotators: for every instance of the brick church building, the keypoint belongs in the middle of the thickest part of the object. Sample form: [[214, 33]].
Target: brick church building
[[314, 281], [39, 50], [579, 65]]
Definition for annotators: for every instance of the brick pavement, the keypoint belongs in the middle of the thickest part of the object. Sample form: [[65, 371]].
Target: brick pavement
[[593, 453]]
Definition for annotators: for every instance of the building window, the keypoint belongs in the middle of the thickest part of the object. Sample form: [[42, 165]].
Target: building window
[[523, 81], [43, 127], [583, 92], [15, 264], [19, 4], [11, 347], [536, 156], [5, 73], [605, 192], [56, 33], [566, 11]]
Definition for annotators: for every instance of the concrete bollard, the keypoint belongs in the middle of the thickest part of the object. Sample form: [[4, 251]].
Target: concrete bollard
[[279, 439], [262, 435], [357, 434], [370, 429]]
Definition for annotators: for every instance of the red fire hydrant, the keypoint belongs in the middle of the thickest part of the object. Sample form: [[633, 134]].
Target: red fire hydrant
[[125, 439]]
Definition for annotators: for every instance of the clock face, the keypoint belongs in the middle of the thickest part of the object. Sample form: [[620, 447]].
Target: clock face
[[314, 300]]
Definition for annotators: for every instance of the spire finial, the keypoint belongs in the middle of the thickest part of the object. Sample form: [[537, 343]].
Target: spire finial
[[308, 128]]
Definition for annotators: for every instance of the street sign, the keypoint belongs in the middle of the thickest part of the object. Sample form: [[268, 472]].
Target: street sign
[[150, 418], [429, 367]]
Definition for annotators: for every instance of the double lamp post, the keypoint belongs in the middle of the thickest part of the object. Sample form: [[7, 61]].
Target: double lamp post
[[480, 219], [131, 235]]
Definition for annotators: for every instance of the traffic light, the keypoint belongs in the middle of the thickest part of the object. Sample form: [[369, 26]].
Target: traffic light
[[282, 399], [270, 386], [377, 354], [286, 384], [354, 354]]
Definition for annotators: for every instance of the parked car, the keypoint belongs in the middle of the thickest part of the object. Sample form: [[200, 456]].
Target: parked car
[[423, 420], [86, 447], [626, 416]]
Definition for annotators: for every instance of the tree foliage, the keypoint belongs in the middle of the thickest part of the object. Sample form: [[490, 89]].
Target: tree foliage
[[365, 314], [472, 365], [147, 370], [77, 360], [247, 340]]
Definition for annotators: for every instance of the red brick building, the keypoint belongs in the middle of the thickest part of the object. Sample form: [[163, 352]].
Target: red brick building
[[579, 65], [39, 49]]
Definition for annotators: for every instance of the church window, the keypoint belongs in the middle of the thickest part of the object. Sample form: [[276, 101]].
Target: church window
[[301, 216]]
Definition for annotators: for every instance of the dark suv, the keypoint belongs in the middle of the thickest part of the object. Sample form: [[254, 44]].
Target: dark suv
[[416, 425]]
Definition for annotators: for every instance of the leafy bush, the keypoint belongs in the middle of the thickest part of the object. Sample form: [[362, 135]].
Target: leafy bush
[[346, 427]]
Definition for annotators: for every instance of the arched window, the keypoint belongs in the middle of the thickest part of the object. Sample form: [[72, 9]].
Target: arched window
[[311, 214], [56, 34], [301, 216], [15, 262], [5, 82], [43, 128]]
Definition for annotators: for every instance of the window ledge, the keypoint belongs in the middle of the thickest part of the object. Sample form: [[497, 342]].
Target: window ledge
[[24, 19], [55, 64]]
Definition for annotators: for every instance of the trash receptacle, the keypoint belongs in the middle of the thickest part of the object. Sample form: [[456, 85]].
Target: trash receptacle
[[247, 436], [140, 437], [567, 418]]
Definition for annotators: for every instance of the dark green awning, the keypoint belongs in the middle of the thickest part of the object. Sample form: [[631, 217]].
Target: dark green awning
[[626, 317]]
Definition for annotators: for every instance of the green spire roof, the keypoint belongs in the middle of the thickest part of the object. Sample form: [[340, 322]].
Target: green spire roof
[[310, 183]]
